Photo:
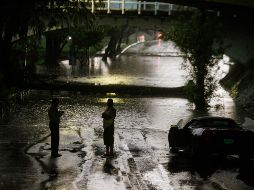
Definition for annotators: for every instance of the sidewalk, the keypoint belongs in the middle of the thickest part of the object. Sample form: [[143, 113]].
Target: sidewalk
[[82, 164], [58, 172]]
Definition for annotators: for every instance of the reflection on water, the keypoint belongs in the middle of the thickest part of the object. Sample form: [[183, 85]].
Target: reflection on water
[[140, 66], [156, 113], [155, 63], [129, 70]]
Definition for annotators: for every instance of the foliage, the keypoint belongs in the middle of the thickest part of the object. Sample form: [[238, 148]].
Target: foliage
[[83, 39], [19, 19], [198, 35]]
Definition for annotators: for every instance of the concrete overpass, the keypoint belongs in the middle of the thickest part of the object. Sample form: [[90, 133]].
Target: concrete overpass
[[157, 15], [237, 6], [214, 4]]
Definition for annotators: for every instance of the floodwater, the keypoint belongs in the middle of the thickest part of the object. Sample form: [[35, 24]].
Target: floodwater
[[155, 63], [142, 159], [151, 64]]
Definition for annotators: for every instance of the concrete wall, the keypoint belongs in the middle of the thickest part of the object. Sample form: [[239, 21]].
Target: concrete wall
[[240, 36], [142, 22], [240, 80]]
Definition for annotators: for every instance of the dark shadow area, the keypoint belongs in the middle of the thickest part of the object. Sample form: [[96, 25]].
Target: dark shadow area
[[51, 169], [207, 166], [16, 169], [246, 174], [135, 151], [200, 113], [109, 168]]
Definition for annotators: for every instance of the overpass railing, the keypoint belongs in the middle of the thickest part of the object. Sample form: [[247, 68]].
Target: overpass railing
[[134, 5]]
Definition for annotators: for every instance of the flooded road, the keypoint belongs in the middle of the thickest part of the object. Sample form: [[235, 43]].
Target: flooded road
[[134, 70], [154, 64], [142, 159]]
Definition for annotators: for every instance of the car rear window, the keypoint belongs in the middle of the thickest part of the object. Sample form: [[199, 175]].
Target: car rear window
[[214, 124]]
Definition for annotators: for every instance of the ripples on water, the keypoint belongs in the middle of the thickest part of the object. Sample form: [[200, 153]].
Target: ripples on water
[[151, 113], [133, 112], [129, 70]]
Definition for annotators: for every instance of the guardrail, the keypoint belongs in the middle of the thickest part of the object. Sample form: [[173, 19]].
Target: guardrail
[[139, 6], [125, 5]]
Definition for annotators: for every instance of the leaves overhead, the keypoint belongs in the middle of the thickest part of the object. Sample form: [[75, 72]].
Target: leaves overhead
[[35, 17], [83, 37]]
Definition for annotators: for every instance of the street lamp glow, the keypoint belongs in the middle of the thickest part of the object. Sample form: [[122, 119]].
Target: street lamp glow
[[69, 37]]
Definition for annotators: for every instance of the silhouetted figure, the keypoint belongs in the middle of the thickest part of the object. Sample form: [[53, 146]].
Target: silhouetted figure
[[108, 124], [54, 120]]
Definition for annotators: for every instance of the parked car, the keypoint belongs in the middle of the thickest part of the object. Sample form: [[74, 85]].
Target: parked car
[[209, 135]]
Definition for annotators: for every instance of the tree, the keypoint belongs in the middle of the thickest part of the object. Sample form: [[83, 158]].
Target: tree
[[18, 19], [199, 37], [55, 42], [13, 22], [82, 39]]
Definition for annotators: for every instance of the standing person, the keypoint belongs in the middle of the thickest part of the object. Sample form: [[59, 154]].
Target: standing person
[[54, 120], [108, 124]]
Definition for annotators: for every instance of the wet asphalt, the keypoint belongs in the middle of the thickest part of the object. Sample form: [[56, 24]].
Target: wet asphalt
[[142, 159]]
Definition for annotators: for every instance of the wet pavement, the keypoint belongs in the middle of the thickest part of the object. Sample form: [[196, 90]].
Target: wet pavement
[[142, 159]]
